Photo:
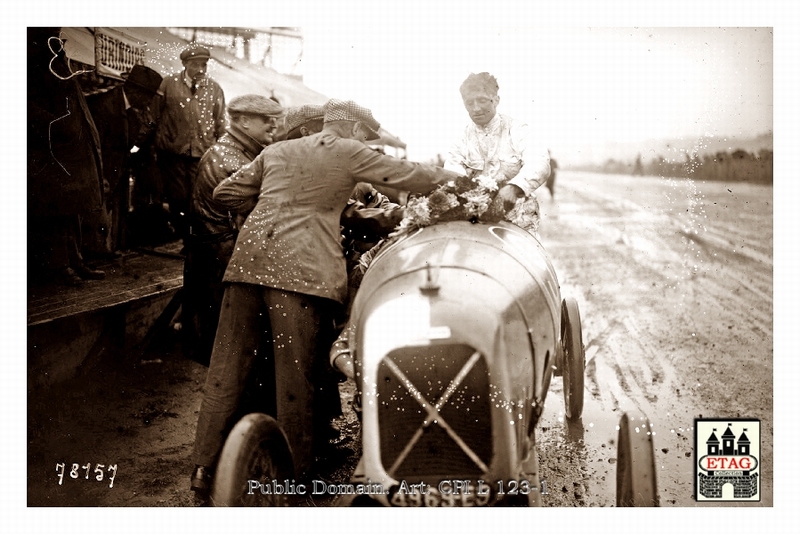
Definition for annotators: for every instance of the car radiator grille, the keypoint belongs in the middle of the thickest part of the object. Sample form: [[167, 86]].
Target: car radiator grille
[[434, 411]]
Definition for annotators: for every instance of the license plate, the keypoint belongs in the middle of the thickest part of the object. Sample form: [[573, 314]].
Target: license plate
[[446, 497]]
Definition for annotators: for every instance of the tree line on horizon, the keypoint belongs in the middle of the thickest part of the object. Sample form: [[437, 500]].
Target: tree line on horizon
[[736, 166]]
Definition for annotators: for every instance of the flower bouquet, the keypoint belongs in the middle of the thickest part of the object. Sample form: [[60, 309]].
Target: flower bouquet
[[468, 198]]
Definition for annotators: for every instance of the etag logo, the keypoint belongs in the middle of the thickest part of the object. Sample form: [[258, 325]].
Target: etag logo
[[727, 453]]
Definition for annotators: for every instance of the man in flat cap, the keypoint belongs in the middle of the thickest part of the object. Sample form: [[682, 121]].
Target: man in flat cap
[[124, 120], [213, 228], [288, 265], [368, 217], [369, 214], [302, 121], [191, 118]]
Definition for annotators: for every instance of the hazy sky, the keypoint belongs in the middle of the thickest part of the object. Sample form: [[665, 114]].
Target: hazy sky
[[576, 86], [581, 73]]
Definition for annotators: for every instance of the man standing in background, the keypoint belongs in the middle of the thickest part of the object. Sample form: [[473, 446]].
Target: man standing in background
[[123, 120], [64, 165], [190, 120]]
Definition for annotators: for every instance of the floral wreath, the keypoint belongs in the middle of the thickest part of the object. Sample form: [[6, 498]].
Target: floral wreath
[[467, 198]]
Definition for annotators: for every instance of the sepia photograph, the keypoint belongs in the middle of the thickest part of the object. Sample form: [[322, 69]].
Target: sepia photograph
[[427, 260]]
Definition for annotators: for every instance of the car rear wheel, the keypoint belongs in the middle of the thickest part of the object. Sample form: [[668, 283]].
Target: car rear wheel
[[573, 360], [255, 461]]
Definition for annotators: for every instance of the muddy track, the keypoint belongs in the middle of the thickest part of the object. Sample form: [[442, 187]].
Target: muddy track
[[674, 284], [674, 280]]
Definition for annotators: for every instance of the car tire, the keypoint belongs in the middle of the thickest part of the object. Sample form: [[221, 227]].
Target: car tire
[[256, 450], [573, 361], [636, 468]]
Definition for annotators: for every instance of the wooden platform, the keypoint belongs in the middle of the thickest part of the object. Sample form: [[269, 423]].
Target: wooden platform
[[103, 318]]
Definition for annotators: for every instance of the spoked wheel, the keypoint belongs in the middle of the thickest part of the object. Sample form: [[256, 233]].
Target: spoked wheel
[[256, 450], [636, 462], [572, 361]]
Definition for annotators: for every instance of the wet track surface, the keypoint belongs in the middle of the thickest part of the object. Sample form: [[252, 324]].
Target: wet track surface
[[674, 283]]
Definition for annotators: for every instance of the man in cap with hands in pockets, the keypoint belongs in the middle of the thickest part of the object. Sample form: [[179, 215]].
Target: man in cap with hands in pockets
[[190, 119]]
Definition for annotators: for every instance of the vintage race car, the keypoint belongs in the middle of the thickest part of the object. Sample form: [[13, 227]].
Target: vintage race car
[[457, 330]]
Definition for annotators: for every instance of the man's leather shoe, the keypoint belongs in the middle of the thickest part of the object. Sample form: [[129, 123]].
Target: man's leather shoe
[[89, 274], [67, 277], [201, 479]]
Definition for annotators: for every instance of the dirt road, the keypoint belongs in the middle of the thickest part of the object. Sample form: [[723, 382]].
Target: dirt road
[[674, 282]]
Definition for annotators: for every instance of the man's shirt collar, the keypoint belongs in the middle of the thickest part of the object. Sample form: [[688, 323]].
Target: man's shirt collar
[[490, 126]]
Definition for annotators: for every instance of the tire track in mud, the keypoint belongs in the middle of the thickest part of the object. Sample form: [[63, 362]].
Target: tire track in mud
[[742, 240], [648, 278], [740, 310], [626, 374], [722, 282], [631, 381], [616, 379], [609, 382], [749, 247], [640, 234], [722, 290], [623, 372]]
